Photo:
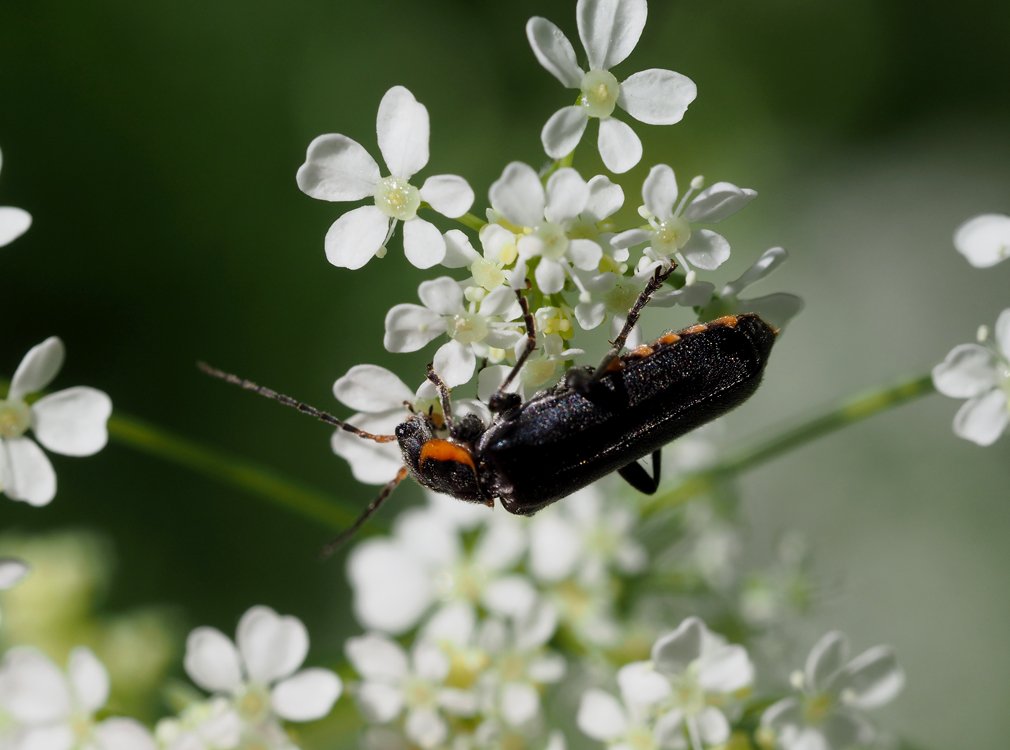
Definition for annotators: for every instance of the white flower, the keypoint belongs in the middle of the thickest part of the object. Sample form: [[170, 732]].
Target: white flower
[[834, 690], [624, 724], [209, 725], [259, 676], [544, 367], [472, 328], [13, 221], [337, 168], [55, 711], [672, 232], [980, 374], [71, 422], [777, 309], [609, 30], [984, 240], [12, 571]]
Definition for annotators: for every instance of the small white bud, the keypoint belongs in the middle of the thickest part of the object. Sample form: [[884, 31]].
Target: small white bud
[[983, 334], [690, 278], [644, 213], [697, 182], [381, 252], [585, 297]]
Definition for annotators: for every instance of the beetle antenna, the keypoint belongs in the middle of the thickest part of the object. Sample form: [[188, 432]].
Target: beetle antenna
[[334, 544], [293, 403], [443, 395], [654, 284], [531, 344]]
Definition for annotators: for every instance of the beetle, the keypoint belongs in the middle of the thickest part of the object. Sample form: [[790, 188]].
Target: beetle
[[593, 422]]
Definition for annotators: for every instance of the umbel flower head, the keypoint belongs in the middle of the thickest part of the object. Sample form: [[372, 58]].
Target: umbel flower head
[[71, 422], [13, 221]]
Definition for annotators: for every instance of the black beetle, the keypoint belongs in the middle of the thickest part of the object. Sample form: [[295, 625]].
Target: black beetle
[[592, 423]]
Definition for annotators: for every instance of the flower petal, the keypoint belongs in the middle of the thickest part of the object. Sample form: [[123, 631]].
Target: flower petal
[[355, 238], [567, 195], [518, 195], [555, 547], [672, 653], [12, 571], [371, 388], [442, 295], [725, 669], [88, 679], [423, 243], [843, 729], [642, 686], [454, 362], [337, 168], [718, 201], [501, 303], [13, 223], [212, 661], [619, 147], [33, 690], [370, 462], [872, 679], [825, 660], [706, 249], [425, 727], [967, 371], [377, 658], [770, 259], [712, 726], [410, 327], [585, 254], [983, 419], [123, 734], [272, 646], [511, 596], [391, 591], [429, 662], [659, 191], [550, 276], [37, 369], [630, 238], [563, 131], [777, 309], [520, 703], [449, 194], [28, 476], [403, 131], [307, 696], [553, 51], [610, 29], [1003, 333], [53, 737], [73, 421], [605, 198], [983, 240], [459, 252], [379, 702], [656, 96], [601, 717]]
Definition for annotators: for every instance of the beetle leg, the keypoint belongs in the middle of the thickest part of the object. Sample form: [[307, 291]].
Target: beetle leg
[[443, 395], [636, 310], [499, 399], [293, 403], [334, 544], [635, 475]]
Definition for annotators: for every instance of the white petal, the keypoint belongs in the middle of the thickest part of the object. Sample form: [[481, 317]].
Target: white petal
[[73, 421], [630, 238], [402, 128], [370, 462], [547, 669], [410, 327], [668, 731], [511, 596], [567, 195], [422, 243], [1003, 333], [610, 29], [54, 737], [518, 195], [968, 370], [712, 726], [842, 729], [641, 685], [123, 734], [371, 388], [34, 690], [37, 369], [490, 379], [272, 646], [536, 627], [563, 131], [706, 249], [550, 276], [501, 303], [454, 362], [600, 716], [28, 476], [725, 670], [337, 168], [307, 696], [454, 623], [983, 240], [355, 238], [555, 547], [659, 191], [605, 198], [426, 728], [872, 679], [12, 571], [13, 223], [619, 147], [783, 713], [379, 702], [459, 252], [718, 201], [212, 661], [585, 254], [770, 259], [825, 659], [448, 194], [590, 314], [391, 591], [657, 97], [520, 703], [89, 679], [697, 294], [554, 51], [673, 652], [377, 658], [777, 309], [983, 419], [429, 662], [442, 295]]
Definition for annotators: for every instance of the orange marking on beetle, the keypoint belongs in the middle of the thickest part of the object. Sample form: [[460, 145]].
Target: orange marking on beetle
[[437, 449], [700, 328], [642, 351], [668, 338], [729, 321], [614, 365]]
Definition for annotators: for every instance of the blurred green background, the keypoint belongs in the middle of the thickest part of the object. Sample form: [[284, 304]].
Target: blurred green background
[[156, 143]]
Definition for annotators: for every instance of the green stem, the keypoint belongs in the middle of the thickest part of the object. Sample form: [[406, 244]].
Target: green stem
[[849, 412], [471, 222]]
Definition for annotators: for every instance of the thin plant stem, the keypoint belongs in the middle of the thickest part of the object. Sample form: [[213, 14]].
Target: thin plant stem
[[471, 222], [848, 412]]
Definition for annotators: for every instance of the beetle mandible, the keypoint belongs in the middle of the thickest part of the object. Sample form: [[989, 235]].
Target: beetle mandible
[[592, 423]]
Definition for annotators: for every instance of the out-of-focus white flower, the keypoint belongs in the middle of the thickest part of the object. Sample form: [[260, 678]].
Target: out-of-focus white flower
[[777, 309], [628, 723], [12, 571], [13, 221], [209, 725], [672, 229], [472, 328], [337, 168], [980, 374], [50, 710], [259, 677], [609, 30], [835, 690], [984, 240], [71, 422]]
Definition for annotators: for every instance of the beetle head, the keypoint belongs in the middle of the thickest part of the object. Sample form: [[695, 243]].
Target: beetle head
[[445, 466]]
